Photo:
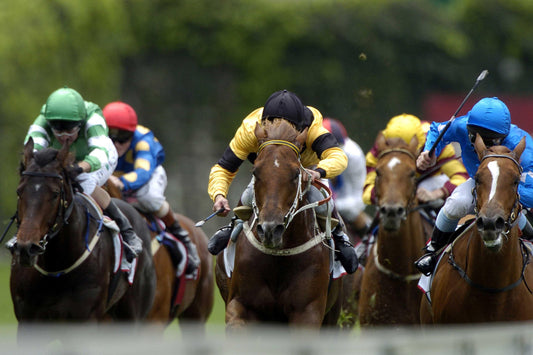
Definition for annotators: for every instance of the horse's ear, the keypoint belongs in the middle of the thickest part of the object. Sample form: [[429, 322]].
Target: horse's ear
[[381, 141], [519, 149], [28, 151], [260, 132], [64, 157], [480, 146], [302, 137]]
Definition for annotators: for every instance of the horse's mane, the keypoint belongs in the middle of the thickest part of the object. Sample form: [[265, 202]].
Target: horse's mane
[[281, 129]]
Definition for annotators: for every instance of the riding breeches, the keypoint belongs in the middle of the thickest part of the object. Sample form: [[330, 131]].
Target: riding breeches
[[151, 196], [89, 181]]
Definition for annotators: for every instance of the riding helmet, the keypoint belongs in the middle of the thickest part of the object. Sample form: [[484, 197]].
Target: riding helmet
[[65, 104], [405, 126], [121, 116], [285, 104], [490, 113]]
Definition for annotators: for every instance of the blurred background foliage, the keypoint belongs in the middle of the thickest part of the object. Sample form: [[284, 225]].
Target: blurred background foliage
[[193, 69]]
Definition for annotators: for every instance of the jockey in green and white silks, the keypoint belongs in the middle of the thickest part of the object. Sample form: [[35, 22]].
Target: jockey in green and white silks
[[67, 119]]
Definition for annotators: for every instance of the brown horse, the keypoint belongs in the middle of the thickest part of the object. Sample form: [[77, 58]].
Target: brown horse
[[485, 275], [389, 293], [63, 257], [281, 269], [195, 294]]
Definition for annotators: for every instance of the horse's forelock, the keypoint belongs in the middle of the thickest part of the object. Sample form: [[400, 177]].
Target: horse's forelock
[[280, 129], [45, 156]]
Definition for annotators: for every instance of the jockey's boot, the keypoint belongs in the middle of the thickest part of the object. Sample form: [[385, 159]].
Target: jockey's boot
[[133, 245], [344, 250], [426, 264], [194, 259], [219, 241]]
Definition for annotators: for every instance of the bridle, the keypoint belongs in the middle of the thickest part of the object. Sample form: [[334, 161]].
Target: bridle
[[412, 199], [517, 207], [64, 210], [301, 191]]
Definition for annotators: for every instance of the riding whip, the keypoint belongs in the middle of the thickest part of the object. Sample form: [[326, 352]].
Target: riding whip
[[439, 138], [201, 223]]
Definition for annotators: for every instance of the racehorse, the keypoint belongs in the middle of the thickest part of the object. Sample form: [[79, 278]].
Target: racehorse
[[63, 266], [281, 270], [485, 275], [389, 293], [188, 299]]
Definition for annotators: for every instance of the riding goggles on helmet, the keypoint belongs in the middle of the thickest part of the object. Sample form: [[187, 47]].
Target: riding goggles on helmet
[[119, 135], [62, 128]]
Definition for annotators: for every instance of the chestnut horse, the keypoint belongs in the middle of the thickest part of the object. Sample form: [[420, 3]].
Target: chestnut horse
[[196, 299], [485, 275], [281, 268], [389, 294], [64, 258]]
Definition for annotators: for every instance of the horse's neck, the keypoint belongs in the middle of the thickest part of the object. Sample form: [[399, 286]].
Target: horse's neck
[[486, 267], [403, 246], [66, 247]]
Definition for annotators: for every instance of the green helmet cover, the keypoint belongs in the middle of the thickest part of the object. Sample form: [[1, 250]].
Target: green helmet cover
[[65, 104]]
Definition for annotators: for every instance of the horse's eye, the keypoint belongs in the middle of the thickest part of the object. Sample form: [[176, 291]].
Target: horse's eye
[[412, 174]]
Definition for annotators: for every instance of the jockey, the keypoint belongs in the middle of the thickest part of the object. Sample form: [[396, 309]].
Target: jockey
[[139, 173], [68, 119], [347, 187], [321, 150], [437, 183], [490, 118]]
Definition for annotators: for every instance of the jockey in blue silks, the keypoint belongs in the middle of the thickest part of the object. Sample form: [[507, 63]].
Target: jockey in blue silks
[[490, 118]]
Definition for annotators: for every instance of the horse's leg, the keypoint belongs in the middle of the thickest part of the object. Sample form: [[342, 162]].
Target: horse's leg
[[235, 315], [426, 316], [310, 316]]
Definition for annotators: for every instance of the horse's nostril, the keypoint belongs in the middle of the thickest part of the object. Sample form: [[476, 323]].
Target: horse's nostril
[[383, 210], [401, 211], [500, 223], [260, 230]]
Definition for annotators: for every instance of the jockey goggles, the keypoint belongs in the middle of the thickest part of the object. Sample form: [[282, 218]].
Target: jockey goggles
[[489, 142], [62, 128], [119, 135]]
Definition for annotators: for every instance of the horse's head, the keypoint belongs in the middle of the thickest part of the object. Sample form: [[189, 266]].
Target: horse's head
[[42, 200], [496, 191], [277, 173], [395, 184]]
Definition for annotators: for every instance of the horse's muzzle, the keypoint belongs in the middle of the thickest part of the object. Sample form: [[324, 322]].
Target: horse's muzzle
[[391, 216], [25, 253], [270, 234], [491, 230]]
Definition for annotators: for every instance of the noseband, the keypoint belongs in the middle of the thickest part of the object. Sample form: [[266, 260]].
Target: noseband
[[65, 209]]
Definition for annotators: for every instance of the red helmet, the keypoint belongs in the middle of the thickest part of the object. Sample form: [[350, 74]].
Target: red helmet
[[121, 116], [335, 127]]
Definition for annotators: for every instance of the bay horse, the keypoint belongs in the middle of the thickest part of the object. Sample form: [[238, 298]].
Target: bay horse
[[64, 258], [281, 270], [190, 300], [389, 294], [486, 275]]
